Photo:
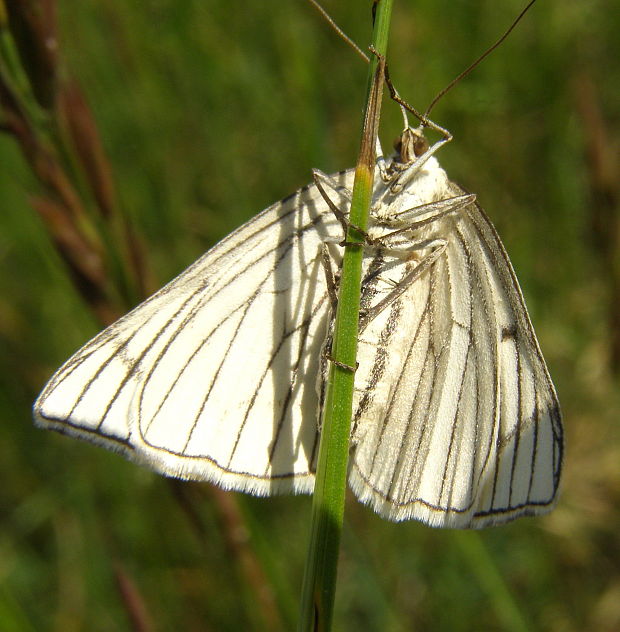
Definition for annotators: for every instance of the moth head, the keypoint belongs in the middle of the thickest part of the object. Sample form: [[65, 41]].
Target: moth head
[[410, 145]]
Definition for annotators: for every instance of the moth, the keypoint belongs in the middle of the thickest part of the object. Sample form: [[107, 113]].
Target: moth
[[219, 376]]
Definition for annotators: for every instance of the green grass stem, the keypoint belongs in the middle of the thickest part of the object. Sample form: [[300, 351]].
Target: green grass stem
[[319, 584]]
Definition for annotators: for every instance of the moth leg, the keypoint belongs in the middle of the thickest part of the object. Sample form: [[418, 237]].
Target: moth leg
[[321, 176], [404, 255], [420, 216], [438, 247], [330, 277], [342, 365], [331, 280], [319, 179], [425, 213]]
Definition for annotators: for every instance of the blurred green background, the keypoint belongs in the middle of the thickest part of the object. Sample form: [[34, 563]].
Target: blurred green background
[[210, 111]]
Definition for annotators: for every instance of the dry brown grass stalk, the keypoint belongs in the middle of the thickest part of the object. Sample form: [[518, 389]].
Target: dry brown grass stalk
[[64, 153]]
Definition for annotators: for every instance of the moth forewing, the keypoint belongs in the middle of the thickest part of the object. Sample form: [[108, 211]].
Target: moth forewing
[[213, 378], [457, 422]]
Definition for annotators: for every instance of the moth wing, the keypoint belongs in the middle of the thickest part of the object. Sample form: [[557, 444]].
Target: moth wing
[[469, 430], [213, 377]]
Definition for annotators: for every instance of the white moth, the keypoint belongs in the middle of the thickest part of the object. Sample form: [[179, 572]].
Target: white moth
[[219, 376]]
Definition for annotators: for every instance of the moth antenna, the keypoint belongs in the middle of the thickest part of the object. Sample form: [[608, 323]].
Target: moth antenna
[[339, 31], [478, 61], [406, 107]]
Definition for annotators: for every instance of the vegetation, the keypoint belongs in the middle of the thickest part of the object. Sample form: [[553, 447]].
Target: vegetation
[[206, 115]]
